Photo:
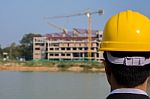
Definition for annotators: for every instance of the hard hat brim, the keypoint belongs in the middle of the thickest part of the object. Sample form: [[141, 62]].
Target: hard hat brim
[[125, 46]]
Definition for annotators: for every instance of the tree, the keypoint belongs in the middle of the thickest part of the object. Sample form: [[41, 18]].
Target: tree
[[1, 52], [13, 51], [26, 46]]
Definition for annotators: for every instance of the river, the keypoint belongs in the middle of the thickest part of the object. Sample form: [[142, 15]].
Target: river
[[53, 85]]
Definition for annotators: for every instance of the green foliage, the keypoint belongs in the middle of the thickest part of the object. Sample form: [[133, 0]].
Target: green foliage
[[24, 50], [13, 51], [27, 39], [62, 65], [1, 51], [26, 46], [34, 63]]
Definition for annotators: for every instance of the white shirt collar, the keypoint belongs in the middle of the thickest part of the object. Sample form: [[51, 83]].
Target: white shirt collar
[[129, 90]]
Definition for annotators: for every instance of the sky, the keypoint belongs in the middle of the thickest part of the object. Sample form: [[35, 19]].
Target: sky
[[19, 17]]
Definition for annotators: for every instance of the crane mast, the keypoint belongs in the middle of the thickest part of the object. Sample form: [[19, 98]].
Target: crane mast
[[89, 35]]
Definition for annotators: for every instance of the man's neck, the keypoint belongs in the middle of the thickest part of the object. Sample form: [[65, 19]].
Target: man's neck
[[143, 86]]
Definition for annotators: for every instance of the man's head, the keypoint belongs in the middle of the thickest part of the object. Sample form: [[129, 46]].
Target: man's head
[[126, 46], [129, 69]]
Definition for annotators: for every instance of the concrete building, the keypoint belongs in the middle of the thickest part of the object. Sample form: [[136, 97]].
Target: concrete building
[[67, 46]]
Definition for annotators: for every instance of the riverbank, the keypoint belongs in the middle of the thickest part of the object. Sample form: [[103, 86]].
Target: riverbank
[[38, 66], [49, 69]]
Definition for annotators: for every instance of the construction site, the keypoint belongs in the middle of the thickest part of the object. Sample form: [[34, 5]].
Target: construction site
[[75, 45], [71, 46]]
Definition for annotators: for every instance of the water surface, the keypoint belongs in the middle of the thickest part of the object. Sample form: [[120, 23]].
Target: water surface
[[53, 85]]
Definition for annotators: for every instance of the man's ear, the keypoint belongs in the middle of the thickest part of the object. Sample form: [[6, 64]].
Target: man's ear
[[108, 72], [107, 69]]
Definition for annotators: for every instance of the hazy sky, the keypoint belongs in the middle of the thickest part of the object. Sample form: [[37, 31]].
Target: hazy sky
[[18, 17]]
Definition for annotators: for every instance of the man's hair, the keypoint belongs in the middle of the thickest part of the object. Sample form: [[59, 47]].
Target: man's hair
[[129, 76]]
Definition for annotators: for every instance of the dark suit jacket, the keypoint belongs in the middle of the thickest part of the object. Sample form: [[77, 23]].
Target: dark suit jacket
[[127, 96]]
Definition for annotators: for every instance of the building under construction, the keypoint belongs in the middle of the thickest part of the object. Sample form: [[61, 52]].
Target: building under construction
[[73, 45]]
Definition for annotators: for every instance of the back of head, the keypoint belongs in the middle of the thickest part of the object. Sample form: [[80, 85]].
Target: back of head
[[126, 47], [129, 69]]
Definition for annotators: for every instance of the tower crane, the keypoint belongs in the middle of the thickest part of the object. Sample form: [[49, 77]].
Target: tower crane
[[89, 15]]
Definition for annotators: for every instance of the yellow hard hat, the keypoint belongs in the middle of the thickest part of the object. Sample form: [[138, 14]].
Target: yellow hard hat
[[126, 31]]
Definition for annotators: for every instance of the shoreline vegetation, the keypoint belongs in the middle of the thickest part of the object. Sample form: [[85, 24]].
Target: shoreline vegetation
[[38, 66]]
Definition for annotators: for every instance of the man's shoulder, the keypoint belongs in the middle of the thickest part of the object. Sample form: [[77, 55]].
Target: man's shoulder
[[127, 96]]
